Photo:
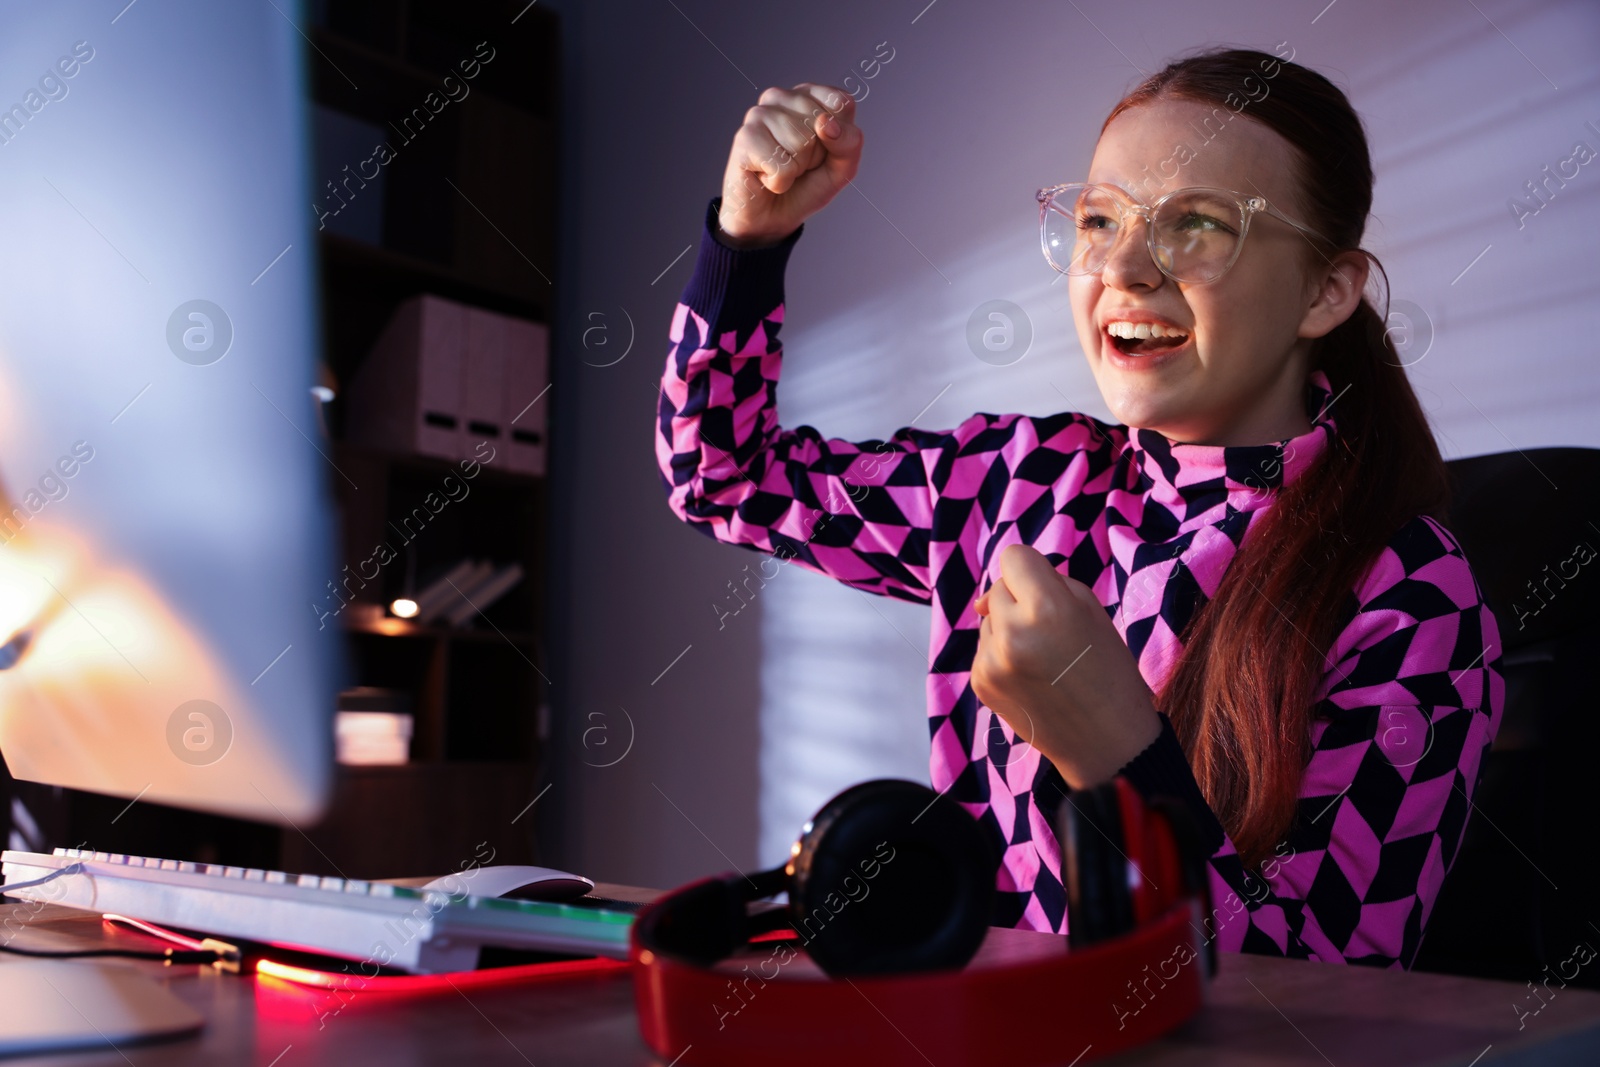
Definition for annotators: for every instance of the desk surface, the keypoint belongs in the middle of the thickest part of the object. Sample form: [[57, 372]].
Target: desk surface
[[1259, 1012]]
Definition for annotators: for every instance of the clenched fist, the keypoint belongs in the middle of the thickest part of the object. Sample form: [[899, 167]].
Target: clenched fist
[[1051, 664], [797, 148]]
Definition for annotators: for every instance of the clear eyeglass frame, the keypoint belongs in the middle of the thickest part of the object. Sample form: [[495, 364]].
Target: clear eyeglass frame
[[1248, 206]]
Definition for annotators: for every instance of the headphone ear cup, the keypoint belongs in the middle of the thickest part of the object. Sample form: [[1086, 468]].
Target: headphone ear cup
[[1094, 866], [891, 877], [1193, 860], [1192, 857]]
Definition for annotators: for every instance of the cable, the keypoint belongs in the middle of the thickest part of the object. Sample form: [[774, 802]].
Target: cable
[[217, 953], [181, 940], [71, 868], [167, 955]]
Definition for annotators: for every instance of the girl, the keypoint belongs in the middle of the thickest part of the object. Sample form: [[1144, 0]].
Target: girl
[[1240, 594]]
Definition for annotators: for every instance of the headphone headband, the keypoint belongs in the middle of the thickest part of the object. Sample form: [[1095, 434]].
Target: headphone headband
[[774, 1006], [720, 985]]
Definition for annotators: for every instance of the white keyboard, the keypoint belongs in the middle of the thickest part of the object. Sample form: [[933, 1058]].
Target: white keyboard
[[424, 931]]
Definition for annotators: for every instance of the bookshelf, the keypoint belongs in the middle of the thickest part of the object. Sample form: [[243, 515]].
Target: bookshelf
[[464, 97]]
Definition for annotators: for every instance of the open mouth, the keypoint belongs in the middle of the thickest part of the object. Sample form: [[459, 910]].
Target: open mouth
[[1147, 346]]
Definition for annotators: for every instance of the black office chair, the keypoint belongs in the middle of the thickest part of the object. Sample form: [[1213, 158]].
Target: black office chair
[[1525, 888]]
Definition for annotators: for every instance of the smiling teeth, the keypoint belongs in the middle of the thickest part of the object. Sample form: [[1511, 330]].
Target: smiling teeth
[[1143, 331]]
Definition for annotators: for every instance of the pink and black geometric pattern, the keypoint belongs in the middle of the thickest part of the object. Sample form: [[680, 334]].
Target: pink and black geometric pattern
[[1410, 702]]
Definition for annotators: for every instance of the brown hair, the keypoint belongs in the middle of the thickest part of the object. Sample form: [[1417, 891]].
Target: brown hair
[[1240, 696]]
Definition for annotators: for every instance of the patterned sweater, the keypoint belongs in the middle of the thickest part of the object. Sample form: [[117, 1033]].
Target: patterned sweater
[[1410, 701]]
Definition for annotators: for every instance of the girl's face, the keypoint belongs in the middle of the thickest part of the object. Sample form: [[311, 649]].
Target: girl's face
[[1240, 376]]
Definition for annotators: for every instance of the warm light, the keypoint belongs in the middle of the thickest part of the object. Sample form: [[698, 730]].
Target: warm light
[[405, 608], [110, 657]]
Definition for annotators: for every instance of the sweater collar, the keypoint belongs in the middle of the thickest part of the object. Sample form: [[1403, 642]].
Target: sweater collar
[[1192, 479]]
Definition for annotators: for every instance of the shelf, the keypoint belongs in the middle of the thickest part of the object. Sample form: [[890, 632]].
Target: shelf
[[334, 45], [406, 275], [351, 450], [389, 626], [467, 185], [443, 769], [530, 45]]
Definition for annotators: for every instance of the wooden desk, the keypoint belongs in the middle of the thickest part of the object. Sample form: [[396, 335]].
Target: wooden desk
[[1260, 1012]]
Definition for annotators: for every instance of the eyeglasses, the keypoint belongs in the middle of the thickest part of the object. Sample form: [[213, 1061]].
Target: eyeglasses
[[1194, 234]]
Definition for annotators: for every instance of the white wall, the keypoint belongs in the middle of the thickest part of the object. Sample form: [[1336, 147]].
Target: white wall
[[816, 686]]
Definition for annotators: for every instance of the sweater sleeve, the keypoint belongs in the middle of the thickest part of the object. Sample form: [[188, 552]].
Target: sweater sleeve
[[860, 512], [1413, 701]]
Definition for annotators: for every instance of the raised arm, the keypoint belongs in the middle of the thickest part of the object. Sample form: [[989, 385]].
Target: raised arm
[[880, 515], [861, 512], [1389, 785]]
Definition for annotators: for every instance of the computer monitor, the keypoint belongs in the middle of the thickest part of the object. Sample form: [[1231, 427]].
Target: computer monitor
[[166, 522]]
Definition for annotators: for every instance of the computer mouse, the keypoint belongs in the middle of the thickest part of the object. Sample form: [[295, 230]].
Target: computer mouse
[[516, 881]]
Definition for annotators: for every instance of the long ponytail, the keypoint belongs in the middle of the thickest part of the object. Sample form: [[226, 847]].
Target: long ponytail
[[1242, 694]]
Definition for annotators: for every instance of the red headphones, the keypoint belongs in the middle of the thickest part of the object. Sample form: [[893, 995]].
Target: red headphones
[[885, 941]]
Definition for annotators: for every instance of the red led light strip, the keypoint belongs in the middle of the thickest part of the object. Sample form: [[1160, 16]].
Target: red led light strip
[[400, 983]]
